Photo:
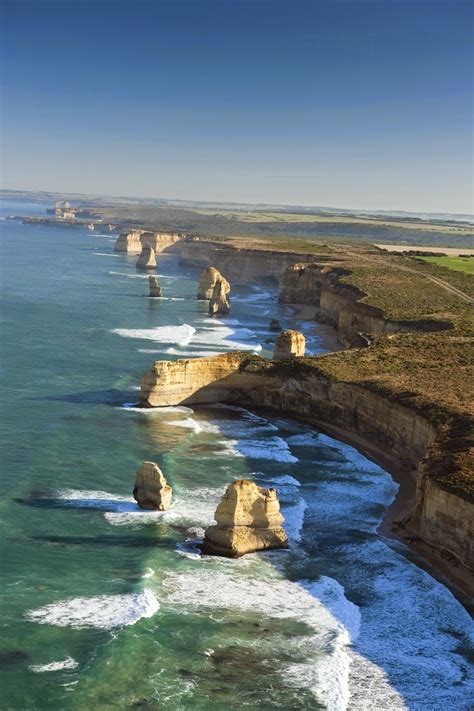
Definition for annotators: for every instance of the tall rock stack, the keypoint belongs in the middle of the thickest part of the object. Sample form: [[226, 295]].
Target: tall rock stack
[[219, 303], [147, 259], [248, 519], [155, 290], [152, 491], [208, 280], [289, 344], [129, 242]]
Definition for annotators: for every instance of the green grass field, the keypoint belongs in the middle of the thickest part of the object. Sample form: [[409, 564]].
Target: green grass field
[[459, 264]]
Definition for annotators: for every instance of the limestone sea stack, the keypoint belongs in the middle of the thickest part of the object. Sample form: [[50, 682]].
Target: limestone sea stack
[[209, 278], [155, 290], [219, 303], [129, 242], [275, 325], [147, 259], [151, 488], [248, 519], [289, 344]]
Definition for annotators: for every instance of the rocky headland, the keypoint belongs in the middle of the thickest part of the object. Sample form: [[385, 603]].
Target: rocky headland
[[401, 392], [133, 241], [398, 429]]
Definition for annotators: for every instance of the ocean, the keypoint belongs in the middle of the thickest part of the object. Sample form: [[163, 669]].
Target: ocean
[[109, 607]]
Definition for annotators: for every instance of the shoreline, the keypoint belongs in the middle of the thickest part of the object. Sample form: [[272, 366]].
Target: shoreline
[[447, 570], [440, 564]]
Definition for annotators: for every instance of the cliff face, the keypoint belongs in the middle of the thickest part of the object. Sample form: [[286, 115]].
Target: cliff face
[[129, 242], [162, 241], [442, 519], [197, 380], [238, 265], [132, 242], [340, 306]]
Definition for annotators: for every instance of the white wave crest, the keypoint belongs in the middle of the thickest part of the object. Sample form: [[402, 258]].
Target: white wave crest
[[272, 448], [133, 407], [68, 663], [102, 612], [325, 647], [180, 335]]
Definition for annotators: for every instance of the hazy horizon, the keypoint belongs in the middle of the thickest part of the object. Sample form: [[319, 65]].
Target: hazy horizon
[[193, 201], [352, 104]]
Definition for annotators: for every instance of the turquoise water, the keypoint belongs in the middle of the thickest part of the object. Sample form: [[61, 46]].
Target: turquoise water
[[107, 607]]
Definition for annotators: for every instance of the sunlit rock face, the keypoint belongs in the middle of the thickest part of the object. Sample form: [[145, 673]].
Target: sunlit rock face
[[248, 519], [208, 280], [147, 259], [151, 488], [162, 241], [155, 289], [289, 344], [219, 303], [129, 242]]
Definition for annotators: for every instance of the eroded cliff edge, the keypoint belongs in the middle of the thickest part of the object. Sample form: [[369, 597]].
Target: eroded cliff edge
[[427, 441]]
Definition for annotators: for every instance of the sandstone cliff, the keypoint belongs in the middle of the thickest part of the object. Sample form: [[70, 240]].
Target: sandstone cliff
[[289, 344], [340, 304], [129, 242], [248, 519], [411, 437], [133, 241], [238, 265], [162, 241]]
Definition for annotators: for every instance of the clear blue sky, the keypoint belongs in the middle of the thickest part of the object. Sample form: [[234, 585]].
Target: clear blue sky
[[350, 103]]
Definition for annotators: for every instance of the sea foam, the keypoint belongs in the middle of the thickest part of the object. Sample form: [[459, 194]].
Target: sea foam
[[180, 335], [68, 663], [261, 589], [102, 612]]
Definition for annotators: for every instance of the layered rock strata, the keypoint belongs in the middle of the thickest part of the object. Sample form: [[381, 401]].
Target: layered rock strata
[[219, 303], [248, 519], [198, 380], [152, 491], [162, 241], [289, 344], [377, 420], [129, 242], [155, 289], [340, 304], [133, 241], [239, 265], [207, 282], [147, 259]]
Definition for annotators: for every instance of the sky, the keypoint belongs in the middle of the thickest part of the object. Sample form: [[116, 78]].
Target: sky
[[344, 103]]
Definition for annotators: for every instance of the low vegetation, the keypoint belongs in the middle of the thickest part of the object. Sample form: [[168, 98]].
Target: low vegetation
[[404, 295], [459, 264]]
